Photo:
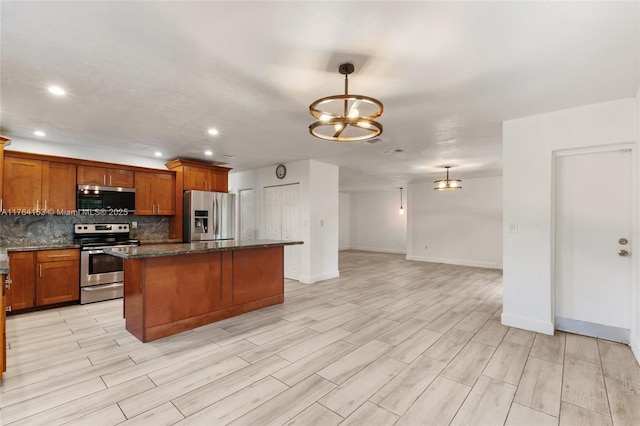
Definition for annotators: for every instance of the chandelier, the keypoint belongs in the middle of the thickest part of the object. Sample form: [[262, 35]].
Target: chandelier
[[346, 118], [447, 184]]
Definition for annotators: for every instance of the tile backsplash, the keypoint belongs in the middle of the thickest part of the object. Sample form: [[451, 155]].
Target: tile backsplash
[[54, 229]]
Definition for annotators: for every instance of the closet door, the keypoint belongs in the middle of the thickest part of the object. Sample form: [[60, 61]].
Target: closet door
[[282, 222]]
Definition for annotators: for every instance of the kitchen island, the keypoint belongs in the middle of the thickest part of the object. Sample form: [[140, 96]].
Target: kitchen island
[[170, 288]]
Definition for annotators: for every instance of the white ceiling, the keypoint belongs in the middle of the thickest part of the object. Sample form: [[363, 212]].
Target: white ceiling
[[147, 76]]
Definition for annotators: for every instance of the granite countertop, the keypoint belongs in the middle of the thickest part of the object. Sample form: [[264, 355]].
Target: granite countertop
[[160, 250], [165, 241], [4, 250], [4, 261], [42, 246]]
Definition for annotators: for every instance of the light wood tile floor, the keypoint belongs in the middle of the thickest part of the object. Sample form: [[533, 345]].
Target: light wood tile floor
[[389, 342]]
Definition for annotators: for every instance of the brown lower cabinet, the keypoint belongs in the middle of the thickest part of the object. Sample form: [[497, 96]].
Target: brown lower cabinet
[[43, 278], [21, 293], [58, 276]]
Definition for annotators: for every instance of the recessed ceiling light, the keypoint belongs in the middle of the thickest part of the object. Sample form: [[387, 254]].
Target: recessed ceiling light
[[212, 131], [208, 152], [157, 154], [57, 90], [40, 133]]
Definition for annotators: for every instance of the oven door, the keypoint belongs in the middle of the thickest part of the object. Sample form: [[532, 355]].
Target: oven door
[[97, 267]]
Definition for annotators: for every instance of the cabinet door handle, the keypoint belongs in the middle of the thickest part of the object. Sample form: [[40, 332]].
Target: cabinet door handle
[[40, 270], [45, 204], [58, 255], [158, 208], [110, 180], [37, 204]]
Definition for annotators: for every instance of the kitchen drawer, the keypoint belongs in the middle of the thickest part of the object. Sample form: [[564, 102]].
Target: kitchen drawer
[[57, 255]]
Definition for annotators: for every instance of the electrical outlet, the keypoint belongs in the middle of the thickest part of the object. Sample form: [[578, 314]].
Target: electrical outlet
[[134, 224], [513, 227]]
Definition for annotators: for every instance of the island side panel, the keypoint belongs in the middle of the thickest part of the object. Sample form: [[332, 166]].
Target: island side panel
[[181, 287], [258, 274], [226, 288], [133, 297]]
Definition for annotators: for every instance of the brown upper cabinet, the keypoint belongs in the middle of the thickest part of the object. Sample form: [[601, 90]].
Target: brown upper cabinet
[[155, 193], [205, 179], [102, 176], [35, 184]]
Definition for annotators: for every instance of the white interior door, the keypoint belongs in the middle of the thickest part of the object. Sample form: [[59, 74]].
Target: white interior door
[[282, 222], [247, 215], [291, 230], [273, 213], [593, 215]]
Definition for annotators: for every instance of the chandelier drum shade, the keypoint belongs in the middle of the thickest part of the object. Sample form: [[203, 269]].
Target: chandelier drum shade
[[346, 118], [447, 184]]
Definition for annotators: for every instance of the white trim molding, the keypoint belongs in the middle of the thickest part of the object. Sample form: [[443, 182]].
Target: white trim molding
[[462, 262], [544, 327]]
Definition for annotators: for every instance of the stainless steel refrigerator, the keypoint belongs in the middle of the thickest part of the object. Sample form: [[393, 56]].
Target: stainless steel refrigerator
[[208, 216]]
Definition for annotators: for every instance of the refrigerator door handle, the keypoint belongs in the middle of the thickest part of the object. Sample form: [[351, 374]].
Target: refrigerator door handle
[[216, 217]]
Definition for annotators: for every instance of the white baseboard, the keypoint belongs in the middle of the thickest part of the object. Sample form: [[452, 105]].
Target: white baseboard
[[310, 279], [544, 327], [635, 346], [377, 249], [462, 262]]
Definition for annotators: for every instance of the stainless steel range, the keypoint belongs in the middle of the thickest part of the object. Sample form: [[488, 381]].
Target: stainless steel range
[[101, 275]]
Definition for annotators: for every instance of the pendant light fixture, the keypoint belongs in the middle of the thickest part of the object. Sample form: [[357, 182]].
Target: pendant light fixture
[[401, 208], [447, 184], [346, 118]]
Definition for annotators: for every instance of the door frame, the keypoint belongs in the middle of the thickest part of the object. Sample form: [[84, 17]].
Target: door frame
[[556, 155]]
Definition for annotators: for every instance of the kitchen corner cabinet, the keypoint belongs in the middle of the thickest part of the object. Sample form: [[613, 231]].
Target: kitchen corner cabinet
[[102, 176], [58, 276], [40, 185], [21, 288], [155, 193]]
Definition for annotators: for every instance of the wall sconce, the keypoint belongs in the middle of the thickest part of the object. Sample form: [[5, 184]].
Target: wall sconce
[[401, 208]]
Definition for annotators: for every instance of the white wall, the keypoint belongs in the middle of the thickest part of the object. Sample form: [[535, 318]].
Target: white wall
[[376, 224], [462, 227], [528, 146], [344, 226], [635, 331], [318, 184], [324, 221]]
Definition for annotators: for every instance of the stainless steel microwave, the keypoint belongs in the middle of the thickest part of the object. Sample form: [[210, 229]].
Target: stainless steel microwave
[[114, 200]]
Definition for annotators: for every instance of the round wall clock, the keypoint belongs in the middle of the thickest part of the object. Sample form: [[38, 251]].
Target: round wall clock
[[281, 171]]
